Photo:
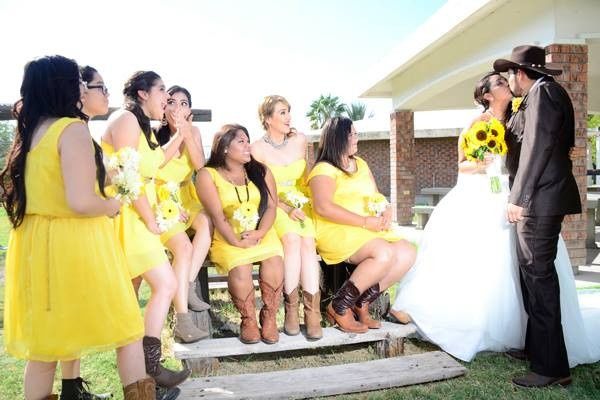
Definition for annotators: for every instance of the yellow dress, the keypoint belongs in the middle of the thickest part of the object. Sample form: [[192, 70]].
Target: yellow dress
[[225, 256], [68, 291], [179, 170], [291, 177], [337, 242], [143, 249]]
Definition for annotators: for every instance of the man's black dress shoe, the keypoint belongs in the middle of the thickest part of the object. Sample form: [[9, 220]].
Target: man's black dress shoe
[[533, 380]]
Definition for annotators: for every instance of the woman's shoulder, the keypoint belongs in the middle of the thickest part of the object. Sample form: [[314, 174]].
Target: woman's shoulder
[[324, 168]]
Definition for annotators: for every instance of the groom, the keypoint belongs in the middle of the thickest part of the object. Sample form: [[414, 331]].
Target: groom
[[543, 191]]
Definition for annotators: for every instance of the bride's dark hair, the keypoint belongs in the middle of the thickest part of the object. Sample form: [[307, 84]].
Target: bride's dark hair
[[483, 86]]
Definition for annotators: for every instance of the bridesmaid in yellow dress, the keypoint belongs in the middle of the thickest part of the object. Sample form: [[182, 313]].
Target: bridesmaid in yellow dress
[[136, 227], [341, 185], [68, 290], [240, 196], [187, 256], [283, 150]]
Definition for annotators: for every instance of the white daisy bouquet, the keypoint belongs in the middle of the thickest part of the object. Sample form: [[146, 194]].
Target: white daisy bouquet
[[376, 204], [167, 214], [123, 168], [296, 199], [246, 217]]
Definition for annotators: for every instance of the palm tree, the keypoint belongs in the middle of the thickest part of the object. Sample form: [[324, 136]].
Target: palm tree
[[356, 111], [324, 108]]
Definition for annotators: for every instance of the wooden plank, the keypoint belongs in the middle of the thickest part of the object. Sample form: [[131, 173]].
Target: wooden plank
[[326, 381], [331, 337], [199, 114]]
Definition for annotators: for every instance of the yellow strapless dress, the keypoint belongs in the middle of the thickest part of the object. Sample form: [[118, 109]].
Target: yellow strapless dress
[[143, 249], [337, 242], [225, 256], [179, 170], [68, 290], [291, 177]]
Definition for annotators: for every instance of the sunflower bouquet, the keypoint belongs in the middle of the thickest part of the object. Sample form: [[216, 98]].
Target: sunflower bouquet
[[486, 137], [296, 199], [123, 168], [246, 216], [376, 204]]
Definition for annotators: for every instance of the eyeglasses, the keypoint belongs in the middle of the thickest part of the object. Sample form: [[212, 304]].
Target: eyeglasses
[[103, 88]]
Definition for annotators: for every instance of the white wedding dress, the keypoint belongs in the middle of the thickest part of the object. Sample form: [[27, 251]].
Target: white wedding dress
[[463, 293]]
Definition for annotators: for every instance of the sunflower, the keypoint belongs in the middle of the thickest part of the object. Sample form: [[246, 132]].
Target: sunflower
[[478, 133], [516, 104], [169, 209], [163, 193], [496, 129]]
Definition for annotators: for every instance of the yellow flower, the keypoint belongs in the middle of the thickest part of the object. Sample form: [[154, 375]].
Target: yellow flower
[[169, 209], [478, 133], [163, 193], [516, 104], [496, 129]]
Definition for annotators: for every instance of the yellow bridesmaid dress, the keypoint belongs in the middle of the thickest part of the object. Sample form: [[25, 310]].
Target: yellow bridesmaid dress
[[291, 178], [179, 170], [337, 242], [68, 290], [143, 249], [225, 256]]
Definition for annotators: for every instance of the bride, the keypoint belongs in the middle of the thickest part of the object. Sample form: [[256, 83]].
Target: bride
[[463, 292]]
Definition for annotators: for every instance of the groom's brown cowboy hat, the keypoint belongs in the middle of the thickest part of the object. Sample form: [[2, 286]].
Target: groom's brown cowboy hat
[[526, 57]]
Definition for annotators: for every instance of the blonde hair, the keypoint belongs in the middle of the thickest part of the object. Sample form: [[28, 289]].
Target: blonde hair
[[267, 108]]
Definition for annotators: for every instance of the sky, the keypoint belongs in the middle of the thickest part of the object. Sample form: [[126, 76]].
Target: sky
[[229, 54]]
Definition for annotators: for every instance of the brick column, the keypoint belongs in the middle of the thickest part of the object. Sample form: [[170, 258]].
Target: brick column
[[573, 60], [310, 154], [402, 164]]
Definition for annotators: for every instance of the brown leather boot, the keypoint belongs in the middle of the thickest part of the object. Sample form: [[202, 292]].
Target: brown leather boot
[[361, 308], [51, 397], [249, 332], [163, 376], [291, 326], [337, 310], [185, 330], [144, 389], [271, 298], [312, 315], [195, 303]]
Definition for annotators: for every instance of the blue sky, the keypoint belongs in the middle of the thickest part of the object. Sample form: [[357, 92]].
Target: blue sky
[[228, 53]]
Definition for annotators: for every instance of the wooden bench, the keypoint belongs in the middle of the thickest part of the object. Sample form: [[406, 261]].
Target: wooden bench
[[422, 214], [435, 193], [326, 381]]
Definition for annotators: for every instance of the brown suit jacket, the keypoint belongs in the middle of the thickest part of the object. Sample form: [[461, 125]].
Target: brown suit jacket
[[540, 135]]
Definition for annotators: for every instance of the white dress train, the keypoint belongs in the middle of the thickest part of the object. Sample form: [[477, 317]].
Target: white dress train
[[463, 292]]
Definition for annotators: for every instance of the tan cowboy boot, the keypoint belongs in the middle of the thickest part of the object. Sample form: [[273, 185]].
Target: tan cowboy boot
[[361, 308], [195, 303], [312, 315], [338, 310], [249, 332], [185, 330], [291, 326], [271, 298], [144, 389]]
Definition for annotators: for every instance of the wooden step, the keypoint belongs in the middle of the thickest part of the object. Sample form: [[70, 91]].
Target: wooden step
[[326, 381], [331, 337]]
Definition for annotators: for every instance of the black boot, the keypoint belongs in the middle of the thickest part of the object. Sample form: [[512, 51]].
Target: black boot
[[163, 376], [163, 393], [78, 389]]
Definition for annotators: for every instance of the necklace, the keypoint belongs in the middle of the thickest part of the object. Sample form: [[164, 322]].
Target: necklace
[[268, 139], [237, 194]]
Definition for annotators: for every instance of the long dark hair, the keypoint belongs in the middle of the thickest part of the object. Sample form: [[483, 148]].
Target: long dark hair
[[163, 134], [255, 170], [141, 80], [87, 75], [334, 141], [50, 89]]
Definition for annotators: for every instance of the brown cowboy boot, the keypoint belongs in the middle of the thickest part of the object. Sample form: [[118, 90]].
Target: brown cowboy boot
[[361, 308], [51, 397], [291, 326], [271, 298], [195, 303], [144, 389], [249, 332], [185, 330], [337, 310], [163, 376], [312, 315]]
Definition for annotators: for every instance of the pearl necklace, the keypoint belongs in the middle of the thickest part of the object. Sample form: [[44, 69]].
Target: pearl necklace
[[268, 139]]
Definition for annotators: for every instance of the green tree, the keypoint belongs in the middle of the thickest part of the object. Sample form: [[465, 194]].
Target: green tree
[[356, 111], [7, 132], [324, 108]]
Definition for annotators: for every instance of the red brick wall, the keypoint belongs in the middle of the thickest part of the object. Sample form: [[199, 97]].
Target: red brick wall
[[402, 164], [573, 60], [436, 160], [377, 154]]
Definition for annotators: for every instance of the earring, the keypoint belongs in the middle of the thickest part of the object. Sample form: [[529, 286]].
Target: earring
[[225, 151], [163, 121]]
